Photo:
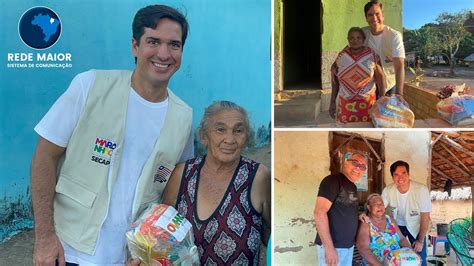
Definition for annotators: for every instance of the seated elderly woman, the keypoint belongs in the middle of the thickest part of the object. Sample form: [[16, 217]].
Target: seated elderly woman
[[224, 195], [380, 235]]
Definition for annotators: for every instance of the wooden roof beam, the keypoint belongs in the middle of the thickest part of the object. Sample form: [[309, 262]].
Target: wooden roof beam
[[457, 146], [451, 164], [455, 157]]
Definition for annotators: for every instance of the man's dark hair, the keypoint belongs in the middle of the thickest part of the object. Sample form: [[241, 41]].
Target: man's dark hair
[[396, 164], [148, 17], [370, 4]]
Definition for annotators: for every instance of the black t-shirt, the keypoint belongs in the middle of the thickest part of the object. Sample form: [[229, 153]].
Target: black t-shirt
[[342, 215]]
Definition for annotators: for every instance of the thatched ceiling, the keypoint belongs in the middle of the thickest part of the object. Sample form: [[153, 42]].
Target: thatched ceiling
[[452, 158]]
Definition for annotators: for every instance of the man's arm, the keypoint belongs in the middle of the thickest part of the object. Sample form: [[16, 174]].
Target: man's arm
[[363, 242], [399, 65], [322, 225], [379, 79], [44, 165], [188, 152], [262, 199], [425, 220], [169, 197]]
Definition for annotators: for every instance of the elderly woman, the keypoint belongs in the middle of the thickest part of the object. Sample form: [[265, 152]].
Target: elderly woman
[[380, 235], [354, 74], [224, 195]]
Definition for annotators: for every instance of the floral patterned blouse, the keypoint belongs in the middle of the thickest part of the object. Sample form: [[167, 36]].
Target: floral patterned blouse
[[382, 242]]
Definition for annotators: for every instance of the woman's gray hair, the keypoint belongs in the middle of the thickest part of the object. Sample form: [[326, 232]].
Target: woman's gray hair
[[215, 108], [369, 198]]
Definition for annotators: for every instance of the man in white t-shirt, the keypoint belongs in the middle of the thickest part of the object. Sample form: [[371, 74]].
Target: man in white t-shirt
[[388, 44], [137, 154], [410, 204]]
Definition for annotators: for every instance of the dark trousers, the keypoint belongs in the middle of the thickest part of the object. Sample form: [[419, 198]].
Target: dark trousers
[[406, 233], [68, 264]]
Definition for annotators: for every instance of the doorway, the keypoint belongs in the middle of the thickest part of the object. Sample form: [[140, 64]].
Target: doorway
[[301, 45]]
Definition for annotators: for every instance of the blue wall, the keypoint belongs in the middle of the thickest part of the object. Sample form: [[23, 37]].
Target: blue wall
[[227, 56]]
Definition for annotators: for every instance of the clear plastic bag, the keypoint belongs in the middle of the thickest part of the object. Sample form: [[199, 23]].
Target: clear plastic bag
[[402, 257], [161, 236], [457, 110], [392, 112]]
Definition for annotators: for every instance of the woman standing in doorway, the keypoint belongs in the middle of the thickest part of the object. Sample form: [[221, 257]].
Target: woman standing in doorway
[[355, 74]]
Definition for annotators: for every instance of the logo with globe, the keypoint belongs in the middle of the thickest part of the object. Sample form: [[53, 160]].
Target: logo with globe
[[39, 27]]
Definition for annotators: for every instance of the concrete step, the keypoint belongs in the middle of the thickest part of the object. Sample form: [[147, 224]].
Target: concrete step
[[324, 118], [297, 111]]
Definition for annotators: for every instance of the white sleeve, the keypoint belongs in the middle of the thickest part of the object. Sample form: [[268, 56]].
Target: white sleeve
[[188, 152], [61, 119], [398, 50], [385, 197], [425, 200]]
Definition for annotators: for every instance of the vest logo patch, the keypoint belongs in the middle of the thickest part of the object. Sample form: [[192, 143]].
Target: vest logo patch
[[102, 151], [161, 174]]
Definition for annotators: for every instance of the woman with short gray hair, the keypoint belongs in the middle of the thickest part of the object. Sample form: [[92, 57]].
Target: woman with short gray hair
[[225, 196], [380, 235]]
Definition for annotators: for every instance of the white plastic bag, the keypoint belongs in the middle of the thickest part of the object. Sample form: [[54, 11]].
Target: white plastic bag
[[161, 236], [393, 111], [457, 110], [402, 257]]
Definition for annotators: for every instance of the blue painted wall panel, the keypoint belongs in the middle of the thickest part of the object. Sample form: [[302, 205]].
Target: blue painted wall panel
[[226, 56]]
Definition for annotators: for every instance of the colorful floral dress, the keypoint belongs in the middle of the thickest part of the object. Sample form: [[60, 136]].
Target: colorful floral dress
[[356, 85], [382, 242]]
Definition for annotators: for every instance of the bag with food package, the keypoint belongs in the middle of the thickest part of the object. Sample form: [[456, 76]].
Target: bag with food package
[[392, 112], [161, 236], [457, 110], [402, 257]]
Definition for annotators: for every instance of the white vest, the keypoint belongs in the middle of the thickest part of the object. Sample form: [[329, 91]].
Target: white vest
[[385, 53], [93, 154], [412, 210]]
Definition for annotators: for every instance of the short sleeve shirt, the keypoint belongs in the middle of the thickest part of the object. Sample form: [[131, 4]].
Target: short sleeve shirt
[[342, 215], [402, 199]]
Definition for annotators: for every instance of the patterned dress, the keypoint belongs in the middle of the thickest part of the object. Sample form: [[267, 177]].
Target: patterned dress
[[231, 235], [382, 242], [356, 85]]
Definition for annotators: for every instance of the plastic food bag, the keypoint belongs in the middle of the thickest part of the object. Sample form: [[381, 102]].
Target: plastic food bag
[[457, 110], [161, 236], [392, 111], [402, 257]]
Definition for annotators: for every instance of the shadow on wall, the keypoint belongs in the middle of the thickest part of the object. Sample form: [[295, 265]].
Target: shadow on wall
[[16, 215]]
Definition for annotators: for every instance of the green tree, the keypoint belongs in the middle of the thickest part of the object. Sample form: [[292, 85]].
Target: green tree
[[451, 33], [466, 47], [424, 41]]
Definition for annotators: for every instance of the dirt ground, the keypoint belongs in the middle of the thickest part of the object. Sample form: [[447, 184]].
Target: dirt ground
[[437, 77]]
